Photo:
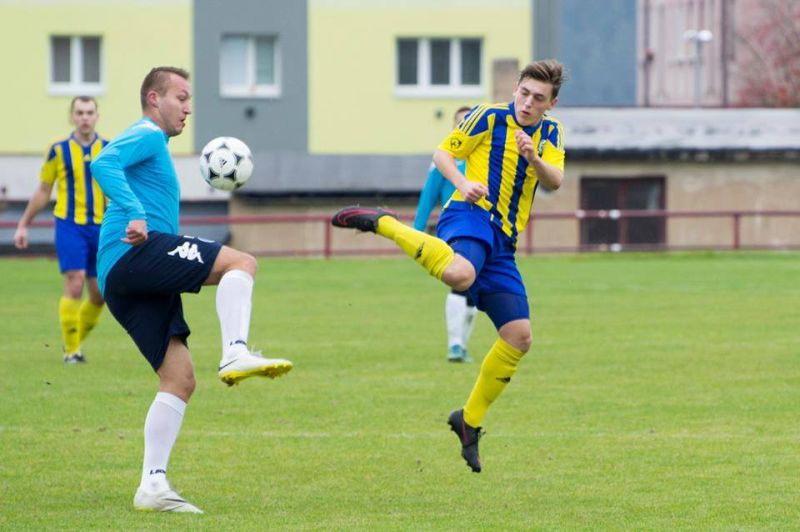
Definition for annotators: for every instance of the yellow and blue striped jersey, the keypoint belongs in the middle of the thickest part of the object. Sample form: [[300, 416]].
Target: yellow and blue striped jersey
[[78, 196], [485, 138]]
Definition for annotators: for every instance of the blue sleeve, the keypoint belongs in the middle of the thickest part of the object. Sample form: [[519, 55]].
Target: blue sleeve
[[108, 168], [428, 198]]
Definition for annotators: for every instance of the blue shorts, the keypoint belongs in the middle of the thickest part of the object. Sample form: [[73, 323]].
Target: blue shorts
[[498, 289], [143, 289], [76, 246]]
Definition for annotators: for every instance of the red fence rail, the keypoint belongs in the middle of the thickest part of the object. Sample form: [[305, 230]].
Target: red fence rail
[[526, 245]]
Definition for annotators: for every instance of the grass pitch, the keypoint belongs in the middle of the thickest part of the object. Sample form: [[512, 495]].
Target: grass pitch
[[662, 392]]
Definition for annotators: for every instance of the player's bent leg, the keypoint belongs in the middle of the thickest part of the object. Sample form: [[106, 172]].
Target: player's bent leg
[[460, 274], [430, 252], [233, 272], [230, 259]]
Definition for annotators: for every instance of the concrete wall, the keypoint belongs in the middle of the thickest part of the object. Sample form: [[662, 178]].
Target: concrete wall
[[353, 108], [597, 43], [266, 124], [136, 36], [691, 187]]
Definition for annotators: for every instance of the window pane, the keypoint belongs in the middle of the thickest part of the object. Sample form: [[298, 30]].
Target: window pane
[[407, 61], [265, 61], [61, 59], [233, 60], [440, 62], [91, 59], [471, 62]]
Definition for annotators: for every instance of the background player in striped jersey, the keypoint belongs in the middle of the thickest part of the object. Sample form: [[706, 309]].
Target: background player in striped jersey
[[78, 211], [459, 309], [510, 148]]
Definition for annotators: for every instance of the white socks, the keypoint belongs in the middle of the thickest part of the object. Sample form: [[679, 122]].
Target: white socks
[[469, 323], [234, 303], [161, 428], [460, 319]]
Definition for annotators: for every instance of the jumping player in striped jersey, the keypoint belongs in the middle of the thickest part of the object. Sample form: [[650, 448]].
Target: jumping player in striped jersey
[[510, 149], [78, 211]]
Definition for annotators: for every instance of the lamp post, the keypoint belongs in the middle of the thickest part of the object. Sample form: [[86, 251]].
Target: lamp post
[[699, 38]]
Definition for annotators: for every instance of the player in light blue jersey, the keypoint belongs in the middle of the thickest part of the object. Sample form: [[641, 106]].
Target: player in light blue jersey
[[144, 266], [459, 309]]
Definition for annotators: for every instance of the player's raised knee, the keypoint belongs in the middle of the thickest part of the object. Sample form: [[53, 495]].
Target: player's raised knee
[[459, 275], [248, 263]]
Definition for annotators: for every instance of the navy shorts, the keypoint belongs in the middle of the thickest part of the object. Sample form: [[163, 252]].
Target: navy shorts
[[469, 230], [76, 246], [143, 289]]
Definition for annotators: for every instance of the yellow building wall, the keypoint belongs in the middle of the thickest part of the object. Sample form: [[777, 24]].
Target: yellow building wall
[[352, 103], [136, 36]]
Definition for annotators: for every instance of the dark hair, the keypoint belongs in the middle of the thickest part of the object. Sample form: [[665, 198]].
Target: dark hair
[[156, 80], [84, 99], [461, 110], [547, 71]]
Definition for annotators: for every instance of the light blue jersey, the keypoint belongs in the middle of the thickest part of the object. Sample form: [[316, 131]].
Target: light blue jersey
[[437, 189], [136, 172]]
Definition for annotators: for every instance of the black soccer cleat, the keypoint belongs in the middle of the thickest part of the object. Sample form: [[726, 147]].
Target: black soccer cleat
[[361, 218], [74, 358], [468, 436]]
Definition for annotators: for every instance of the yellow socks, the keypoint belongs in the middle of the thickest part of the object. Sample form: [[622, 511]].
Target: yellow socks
[[497, 369], [430, 252], [88, 316], [68, 315]]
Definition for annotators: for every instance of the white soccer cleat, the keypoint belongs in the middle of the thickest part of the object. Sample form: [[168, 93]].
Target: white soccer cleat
[[163, 501], [244, 364]]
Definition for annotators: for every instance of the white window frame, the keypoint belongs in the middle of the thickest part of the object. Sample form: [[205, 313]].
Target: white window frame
[[250, 89], [424, 88], [76, 86]]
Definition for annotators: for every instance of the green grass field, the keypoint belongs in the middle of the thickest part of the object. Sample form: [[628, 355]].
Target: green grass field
[[662, 392]]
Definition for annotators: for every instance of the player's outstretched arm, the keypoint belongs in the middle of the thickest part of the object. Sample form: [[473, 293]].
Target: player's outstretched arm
[[39, 200]]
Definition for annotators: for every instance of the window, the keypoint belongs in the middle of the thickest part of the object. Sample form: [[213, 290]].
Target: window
[[439, 67], [640, 193], [75, 65], [249, 66]]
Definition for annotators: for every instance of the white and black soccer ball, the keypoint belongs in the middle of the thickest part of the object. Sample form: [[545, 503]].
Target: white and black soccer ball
[[226, 163]]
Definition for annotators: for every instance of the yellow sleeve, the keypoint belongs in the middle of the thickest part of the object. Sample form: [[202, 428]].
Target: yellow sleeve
[[468, 134], [49, 170], [552, 151]]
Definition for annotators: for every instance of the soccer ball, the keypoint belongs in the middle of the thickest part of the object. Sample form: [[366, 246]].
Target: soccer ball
[[226, 163]]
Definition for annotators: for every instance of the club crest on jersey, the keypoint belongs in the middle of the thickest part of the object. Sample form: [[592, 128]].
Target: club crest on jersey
[[187, 251]]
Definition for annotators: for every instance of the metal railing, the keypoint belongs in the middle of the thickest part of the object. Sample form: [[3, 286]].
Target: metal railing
[[525, 245]]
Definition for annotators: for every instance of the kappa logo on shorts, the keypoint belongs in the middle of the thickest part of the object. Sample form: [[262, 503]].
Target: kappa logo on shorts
[[187, 251]]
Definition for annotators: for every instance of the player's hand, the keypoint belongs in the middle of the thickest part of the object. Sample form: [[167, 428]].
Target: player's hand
[[525, 145], [472, 191], [136, 232], [21, 238]]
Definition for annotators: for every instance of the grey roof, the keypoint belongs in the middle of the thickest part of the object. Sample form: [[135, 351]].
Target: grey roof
[[648, 129]]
